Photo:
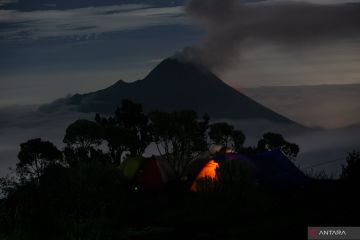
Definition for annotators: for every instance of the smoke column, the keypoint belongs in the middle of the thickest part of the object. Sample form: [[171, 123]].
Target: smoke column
[[229, 23]]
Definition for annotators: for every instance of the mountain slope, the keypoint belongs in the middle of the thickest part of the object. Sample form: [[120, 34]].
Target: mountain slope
[[175, 85]]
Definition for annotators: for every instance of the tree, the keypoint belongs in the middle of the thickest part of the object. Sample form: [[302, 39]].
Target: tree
[[127, 131], [115, 136], [83, 134], [351, 171], [132, 118], [272, 141], [81, 138], [180, 137], [225, 135], [35, 156], [238, 138]]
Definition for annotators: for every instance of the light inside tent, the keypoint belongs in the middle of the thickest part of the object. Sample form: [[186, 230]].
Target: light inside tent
[[208, 171]]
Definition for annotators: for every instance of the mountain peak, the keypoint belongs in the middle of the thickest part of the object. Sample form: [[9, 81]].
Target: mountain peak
[[176, 85], [172, 70]]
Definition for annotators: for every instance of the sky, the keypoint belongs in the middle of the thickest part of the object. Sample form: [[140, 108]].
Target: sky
[[52, 48]]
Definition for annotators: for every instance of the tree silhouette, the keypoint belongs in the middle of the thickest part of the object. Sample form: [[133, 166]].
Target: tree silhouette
[[224, 134], [96, 199], [272, 141], [83, 134], [115, 137], [127, 131], [238, 138], [180, 137], [132, 118], [81, 138], [35, 156], [351, 171]]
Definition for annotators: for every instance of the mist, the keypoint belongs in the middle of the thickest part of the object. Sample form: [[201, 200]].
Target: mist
[[321, 150], [320, 106], [19, 124]]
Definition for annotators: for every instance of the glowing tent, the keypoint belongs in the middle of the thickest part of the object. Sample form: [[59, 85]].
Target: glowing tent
[[208, 171], [267, 170]]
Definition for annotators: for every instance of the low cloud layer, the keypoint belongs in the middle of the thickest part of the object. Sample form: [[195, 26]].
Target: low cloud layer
[[20, 124], [90, 21], [6, 2], [230, 23], [328, 106]]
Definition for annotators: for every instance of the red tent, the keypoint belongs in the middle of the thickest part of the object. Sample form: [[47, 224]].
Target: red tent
[[154, 174], [149, 176]]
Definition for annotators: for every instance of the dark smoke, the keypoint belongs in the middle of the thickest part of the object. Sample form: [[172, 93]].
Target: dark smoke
[[229, 23]]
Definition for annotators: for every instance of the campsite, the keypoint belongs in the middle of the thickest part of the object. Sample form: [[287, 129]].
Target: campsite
[[203, 183]]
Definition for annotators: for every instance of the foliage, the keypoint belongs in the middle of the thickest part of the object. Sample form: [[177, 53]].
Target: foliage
[[180, 137], [127, 131], [132, 118], [68, 203], [35, 156], [351, 171], [318, 175], [82, 193], [83, 134], [272, 141], [225, 135]]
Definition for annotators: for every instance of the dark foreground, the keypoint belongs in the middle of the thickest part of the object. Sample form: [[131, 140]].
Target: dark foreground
[[95, 202], [84, 192]]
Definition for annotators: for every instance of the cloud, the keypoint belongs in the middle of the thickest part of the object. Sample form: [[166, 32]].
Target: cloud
[[325, 106], [85, 21], [19, 124], [316, 146], [5, 2], [268, 65], [230, 23]]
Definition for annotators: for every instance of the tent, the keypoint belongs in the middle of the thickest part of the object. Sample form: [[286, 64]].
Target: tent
[[154, 173], [209, 168], [268, 170], [131, 166], [208, 171], [274, 169], [149, 176]]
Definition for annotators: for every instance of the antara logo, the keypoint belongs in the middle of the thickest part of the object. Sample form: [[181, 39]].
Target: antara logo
[[313, 232], [337, 232]]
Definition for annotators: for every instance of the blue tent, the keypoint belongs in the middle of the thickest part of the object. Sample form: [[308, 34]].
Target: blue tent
[[274, 169], [268, 169]]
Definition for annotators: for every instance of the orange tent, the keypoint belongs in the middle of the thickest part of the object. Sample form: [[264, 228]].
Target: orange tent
[[208, 171]]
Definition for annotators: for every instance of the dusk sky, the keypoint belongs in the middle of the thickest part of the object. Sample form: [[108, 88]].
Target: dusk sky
[[51, 48]]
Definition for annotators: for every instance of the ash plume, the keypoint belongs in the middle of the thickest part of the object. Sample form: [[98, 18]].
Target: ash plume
[[229, 23]]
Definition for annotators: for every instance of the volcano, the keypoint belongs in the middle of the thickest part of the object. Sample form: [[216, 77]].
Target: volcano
[[176, 85]]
